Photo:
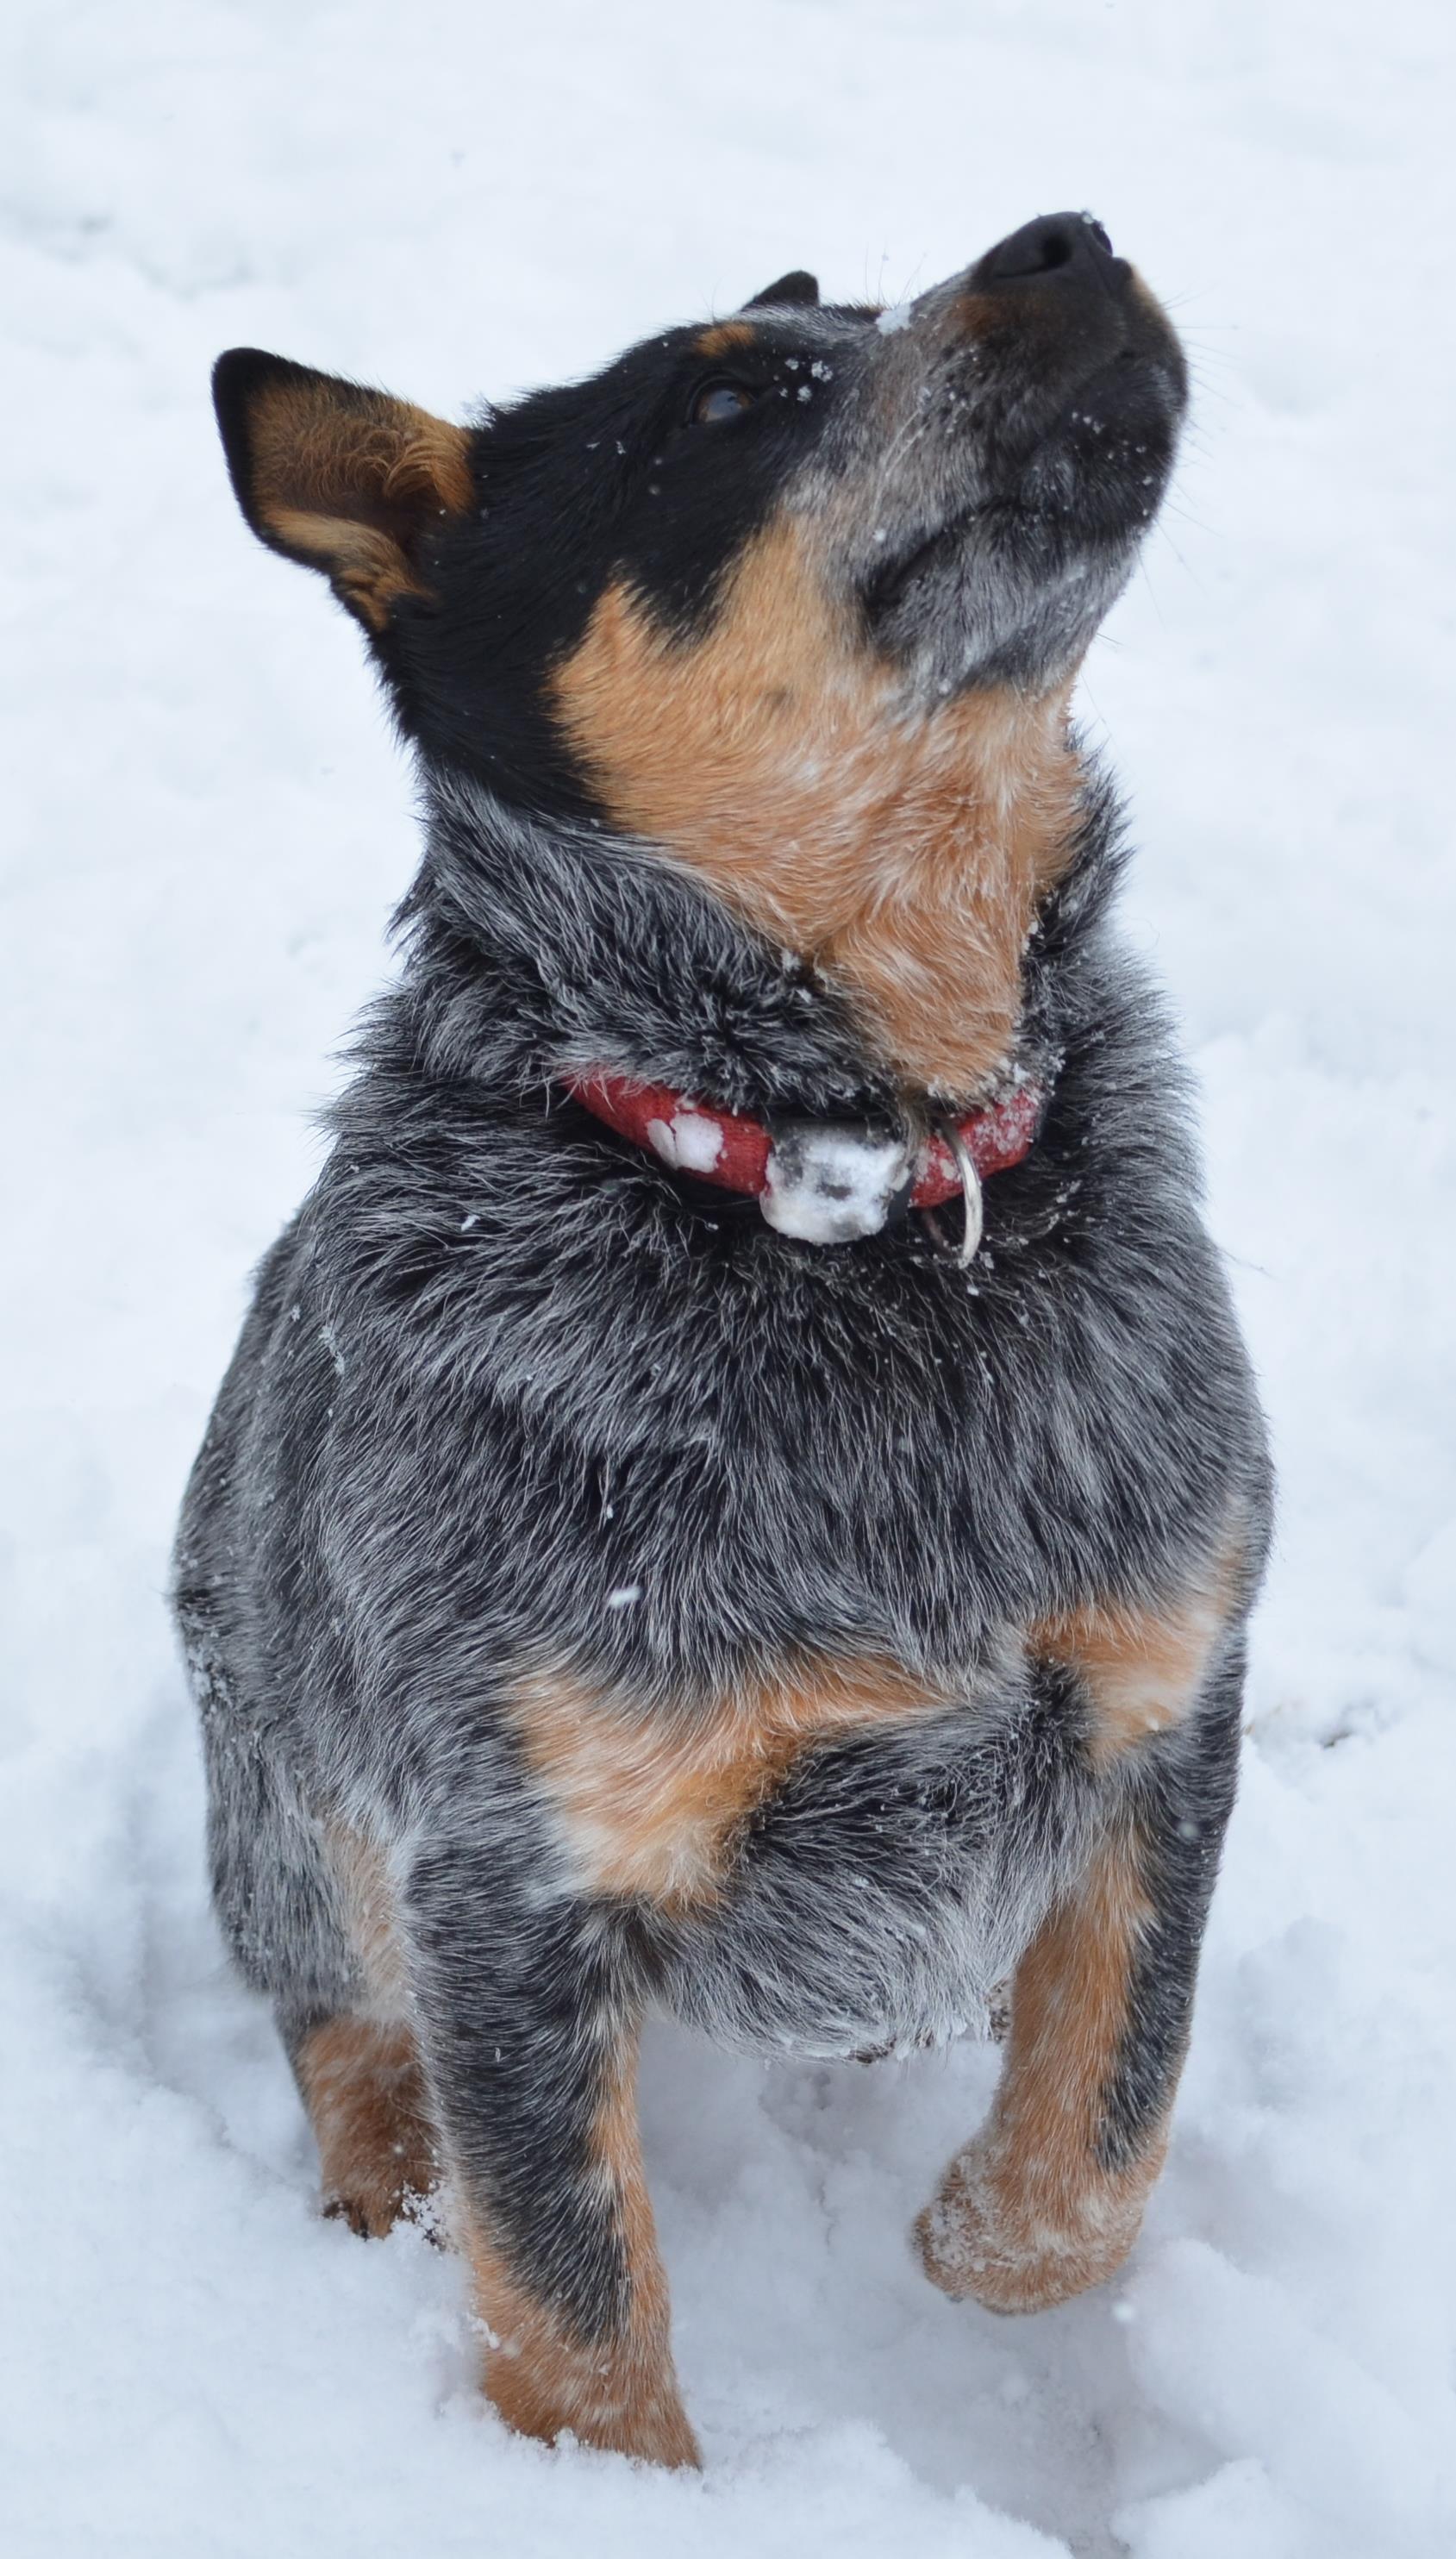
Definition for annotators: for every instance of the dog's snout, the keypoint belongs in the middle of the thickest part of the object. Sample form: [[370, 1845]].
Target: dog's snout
[[1072, 243]]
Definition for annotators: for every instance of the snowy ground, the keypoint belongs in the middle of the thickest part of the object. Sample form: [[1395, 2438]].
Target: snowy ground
[[212, 826]]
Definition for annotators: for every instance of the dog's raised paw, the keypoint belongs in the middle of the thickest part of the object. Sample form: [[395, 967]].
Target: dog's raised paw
[[1015, 2251]]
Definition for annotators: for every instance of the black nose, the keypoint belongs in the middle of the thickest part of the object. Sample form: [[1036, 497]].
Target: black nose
[[1071, 240]]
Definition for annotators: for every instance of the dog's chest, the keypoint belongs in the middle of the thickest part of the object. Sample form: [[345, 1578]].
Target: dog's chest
[[844, 1861]]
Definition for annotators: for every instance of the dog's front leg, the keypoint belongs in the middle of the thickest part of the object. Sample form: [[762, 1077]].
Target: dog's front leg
[[530, 2018], [1049, 2198]]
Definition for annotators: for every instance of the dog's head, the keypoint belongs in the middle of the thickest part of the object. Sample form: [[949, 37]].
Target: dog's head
[[767, 592]]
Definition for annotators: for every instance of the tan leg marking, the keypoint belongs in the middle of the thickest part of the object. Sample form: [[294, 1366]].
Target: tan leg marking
[[1026, 2215], [1143, 1668], [367, 1895], [359, 2075], [905, 854], [621, 2395], [653, 1804], [366, 2096]]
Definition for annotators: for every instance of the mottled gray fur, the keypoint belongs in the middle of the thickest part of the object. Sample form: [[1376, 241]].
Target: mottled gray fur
[[516, 1401], [501, 1369]]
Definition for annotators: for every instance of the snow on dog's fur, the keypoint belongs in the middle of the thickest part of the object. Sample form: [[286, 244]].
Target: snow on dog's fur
[[594, 1596]]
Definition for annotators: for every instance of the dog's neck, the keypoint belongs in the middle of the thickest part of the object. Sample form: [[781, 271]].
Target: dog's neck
[[902, 854], [912, 877], [545, 948]]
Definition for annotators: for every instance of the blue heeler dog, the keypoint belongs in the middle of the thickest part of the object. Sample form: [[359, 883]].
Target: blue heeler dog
[[740, 1490]]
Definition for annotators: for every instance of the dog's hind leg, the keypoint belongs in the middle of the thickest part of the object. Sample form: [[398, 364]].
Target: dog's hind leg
[[306, 1915], [529, 2010], [273, 1890], [1049, 2198], [358, 2070]]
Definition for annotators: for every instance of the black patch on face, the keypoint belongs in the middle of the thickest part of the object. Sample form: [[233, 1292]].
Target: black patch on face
[[1001, 446], [579, 489]]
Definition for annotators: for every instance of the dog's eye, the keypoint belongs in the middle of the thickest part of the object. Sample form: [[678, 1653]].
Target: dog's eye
[[716, 402]]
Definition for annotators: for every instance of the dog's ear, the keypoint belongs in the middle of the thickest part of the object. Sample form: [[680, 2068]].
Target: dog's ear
[[797, 287], [345, 480]]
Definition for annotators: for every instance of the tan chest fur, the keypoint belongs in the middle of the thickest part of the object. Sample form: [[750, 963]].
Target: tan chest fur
[[651, 1806]]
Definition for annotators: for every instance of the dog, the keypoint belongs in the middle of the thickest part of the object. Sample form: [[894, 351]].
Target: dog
[[740, 1492]]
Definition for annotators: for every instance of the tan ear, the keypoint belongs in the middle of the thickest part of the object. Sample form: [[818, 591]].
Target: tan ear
[[345, 480]]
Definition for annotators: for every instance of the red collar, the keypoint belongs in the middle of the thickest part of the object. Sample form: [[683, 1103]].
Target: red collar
[[725, 1147]]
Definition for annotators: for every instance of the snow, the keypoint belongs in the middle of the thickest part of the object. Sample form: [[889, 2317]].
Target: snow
[[690, 1139], [827, 1183], [206, 826]]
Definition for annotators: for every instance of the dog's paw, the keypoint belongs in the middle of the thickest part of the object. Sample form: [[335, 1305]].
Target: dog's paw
[[374, 2209], [1015, 2248]]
